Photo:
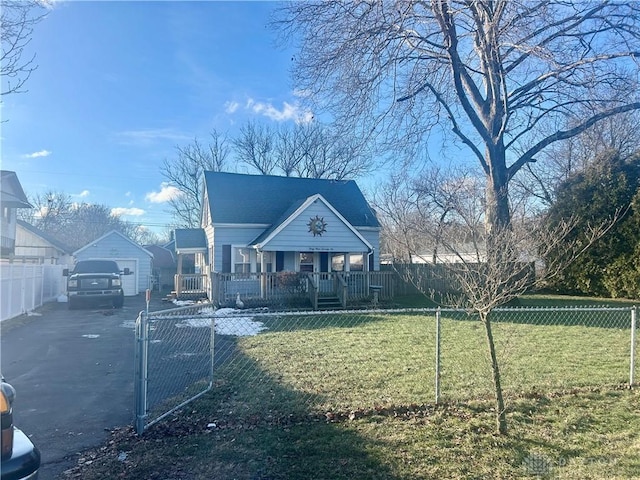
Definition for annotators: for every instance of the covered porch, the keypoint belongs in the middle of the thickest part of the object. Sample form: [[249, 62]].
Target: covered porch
[[320, 290]]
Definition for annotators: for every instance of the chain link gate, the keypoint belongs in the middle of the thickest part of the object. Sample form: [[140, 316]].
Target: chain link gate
[[181, 358]]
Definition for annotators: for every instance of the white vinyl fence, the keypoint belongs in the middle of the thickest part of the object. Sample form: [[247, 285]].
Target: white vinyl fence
[[25, 287]]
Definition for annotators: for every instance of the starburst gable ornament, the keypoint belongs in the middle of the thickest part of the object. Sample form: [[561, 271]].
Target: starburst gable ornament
[[317, 225]]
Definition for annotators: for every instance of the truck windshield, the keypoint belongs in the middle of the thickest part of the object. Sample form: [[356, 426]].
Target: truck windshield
[[97, 266]]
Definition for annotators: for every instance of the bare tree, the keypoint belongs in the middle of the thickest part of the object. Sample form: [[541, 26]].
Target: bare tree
[[395, 203], [76, 224], [540, 181], [509, 78], [304, 150], [255, 147], [17, 21], [442, 213], [185, 172], [321, 153]]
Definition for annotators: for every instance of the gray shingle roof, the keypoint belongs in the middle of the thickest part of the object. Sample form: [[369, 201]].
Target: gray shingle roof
[[186, 238], [263, 199]]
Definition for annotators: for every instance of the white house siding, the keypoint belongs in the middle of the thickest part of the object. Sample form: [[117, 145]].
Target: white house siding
[[372, 235], [33, 246], [297, 237], [232, 235], [116, 247]]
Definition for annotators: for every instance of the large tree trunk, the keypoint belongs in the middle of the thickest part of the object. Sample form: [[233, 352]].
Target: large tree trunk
[[498, 212], [501, 416]]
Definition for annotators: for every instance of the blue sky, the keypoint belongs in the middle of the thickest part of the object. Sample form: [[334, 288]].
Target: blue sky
[[120, 84]]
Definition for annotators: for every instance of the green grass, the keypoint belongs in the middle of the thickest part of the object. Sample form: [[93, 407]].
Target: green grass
[[584, 434], [351, 396]]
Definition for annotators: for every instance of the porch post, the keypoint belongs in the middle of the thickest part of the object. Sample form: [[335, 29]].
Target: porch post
[[263, 275]]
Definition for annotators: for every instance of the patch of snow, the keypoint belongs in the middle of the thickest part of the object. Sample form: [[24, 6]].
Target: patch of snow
[[183, 303], [195, 323], [238, 326], [225, 323], [91, 335], [33, 314], [62, 299]]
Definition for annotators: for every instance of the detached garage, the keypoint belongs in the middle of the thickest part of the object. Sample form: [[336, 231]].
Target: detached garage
[[128, 254]]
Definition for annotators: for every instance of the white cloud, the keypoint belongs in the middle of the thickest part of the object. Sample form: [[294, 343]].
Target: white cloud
[[148, 136], [288, 111], [84, 194], [231, 107], [118, 211], [167, 192], [41, 153]]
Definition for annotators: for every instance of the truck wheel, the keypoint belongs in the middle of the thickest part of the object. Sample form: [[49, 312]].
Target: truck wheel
[[118, 302], [73, 305]]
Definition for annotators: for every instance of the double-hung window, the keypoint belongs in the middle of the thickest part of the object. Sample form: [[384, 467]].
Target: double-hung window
[[241, 260]]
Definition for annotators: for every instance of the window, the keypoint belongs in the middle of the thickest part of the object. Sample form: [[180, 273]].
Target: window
[[337, 262], [267, 257], [356, 262], [306, 261], [241, 260]]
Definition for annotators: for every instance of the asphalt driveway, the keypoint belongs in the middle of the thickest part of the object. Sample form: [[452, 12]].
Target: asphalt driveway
[[73, 372]]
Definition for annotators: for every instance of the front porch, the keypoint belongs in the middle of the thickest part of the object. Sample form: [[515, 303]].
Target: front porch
[[320, 289]]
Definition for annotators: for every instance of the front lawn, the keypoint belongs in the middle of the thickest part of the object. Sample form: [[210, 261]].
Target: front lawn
[[346, 396]]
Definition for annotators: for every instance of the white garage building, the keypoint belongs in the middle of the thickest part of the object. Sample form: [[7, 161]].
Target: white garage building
[[128, 254]]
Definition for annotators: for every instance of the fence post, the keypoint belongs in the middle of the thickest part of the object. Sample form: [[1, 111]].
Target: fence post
[[212, 347], [633, 347], [438, 355], [140, 380]]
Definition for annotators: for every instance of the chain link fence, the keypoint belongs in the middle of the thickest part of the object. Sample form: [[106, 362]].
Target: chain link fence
[[256, 364]]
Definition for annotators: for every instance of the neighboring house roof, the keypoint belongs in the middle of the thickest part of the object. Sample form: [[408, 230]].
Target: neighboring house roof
[[44, 236], [162, 257], [264, 199], [108, 234], [187, 239], [11, 193]]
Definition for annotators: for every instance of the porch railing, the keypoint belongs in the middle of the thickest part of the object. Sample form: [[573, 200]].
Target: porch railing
[[273, 288], [191, 284]]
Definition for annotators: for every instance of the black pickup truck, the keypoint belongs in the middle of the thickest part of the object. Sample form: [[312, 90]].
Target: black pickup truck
[[95, 281]]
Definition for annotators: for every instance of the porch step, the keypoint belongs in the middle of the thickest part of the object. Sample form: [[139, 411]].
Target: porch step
[[329, 303]]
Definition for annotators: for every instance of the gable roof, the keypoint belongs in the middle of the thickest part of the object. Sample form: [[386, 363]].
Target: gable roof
[[296, 210], [108, 234], [11, 193], [162, 257], [43, 235], [264, 199]]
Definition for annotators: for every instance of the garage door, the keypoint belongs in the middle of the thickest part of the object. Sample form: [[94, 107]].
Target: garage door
[[129, 282]]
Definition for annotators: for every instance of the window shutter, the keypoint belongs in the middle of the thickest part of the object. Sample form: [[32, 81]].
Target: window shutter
[[324, 262], [226, 258], [279, 261]]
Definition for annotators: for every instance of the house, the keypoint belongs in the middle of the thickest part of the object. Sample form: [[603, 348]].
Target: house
[[12, 197], [263, 237], [128, 254], [35, 246], [164, 265]]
